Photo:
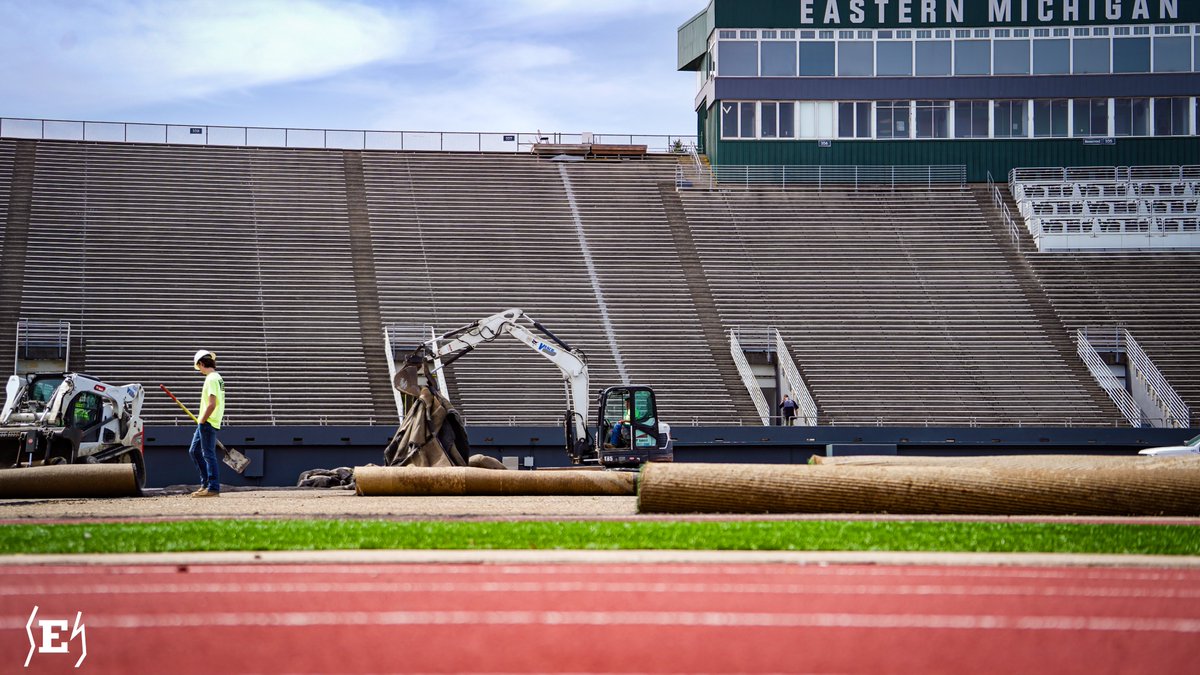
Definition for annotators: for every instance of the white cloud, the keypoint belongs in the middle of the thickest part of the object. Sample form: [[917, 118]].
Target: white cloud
[[127, 52]]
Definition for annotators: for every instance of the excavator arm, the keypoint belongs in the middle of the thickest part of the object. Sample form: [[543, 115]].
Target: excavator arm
[[437, 353]]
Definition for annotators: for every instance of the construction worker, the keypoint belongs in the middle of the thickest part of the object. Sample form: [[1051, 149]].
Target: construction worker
[[624, 423], [212, 409]]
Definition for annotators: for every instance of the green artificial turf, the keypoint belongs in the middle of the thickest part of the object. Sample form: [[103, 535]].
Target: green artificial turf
[[304, 535]]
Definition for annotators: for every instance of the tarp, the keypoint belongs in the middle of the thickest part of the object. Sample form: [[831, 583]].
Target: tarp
[[432, 434]]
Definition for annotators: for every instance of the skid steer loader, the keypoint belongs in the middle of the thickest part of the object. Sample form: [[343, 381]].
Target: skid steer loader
[[69, 418]]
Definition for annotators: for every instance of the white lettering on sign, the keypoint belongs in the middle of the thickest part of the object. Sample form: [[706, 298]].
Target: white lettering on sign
[[904, 12], [1000, 11], [832, 13], [54, 640], [954, 12], [928, 11], [857, 13]]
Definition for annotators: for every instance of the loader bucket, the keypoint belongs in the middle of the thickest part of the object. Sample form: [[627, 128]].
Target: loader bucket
[[69, 480]]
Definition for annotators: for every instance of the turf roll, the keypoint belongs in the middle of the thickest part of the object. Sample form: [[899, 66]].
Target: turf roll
[[378, 481], [1132, 488], [69, 480]]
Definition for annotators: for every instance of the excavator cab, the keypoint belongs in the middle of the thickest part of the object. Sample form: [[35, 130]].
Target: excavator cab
[[629, 432]]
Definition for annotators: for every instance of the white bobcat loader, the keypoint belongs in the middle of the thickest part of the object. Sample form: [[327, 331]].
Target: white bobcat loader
[[58, 419]]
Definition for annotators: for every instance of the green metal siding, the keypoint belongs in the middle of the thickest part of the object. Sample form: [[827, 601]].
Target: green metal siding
[[979, 156], [693, 39]]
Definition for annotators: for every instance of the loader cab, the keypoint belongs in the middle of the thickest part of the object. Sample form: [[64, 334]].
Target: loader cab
[[628, 433], [42, 387]]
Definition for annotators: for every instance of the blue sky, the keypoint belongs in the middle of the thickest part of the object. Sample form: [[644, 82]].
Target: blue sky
[[448, 65]]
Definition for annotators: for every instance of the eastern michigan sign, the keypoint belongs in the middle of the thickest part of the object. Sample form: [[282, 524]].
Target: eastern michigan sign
[[949, 13]]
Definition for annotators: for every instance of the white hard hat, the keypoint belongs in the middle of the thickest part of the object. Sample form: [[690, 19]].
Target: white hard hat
[[201, 354]]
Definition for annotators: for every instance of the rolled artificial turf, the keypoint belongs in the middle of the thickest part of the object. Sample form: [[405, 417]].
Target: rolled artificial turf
[[308, 535]]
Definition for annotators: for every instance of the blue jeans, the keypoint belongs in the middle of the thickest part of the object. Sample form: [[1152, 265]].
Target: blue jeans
[[204, 455]]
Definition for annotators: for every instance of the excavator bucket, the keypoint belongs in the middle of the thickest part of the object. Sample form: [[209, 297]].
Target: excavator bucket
[[407, 379]]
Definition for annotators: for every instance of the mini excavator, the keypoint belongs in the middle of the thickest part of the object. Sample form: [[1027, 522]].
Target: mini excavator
[[627, 431]]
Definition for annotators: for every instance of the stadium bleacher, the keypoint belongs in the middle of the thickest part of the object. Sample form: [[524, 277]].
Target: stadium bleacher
[[897, 305], [1151, 207], [902, 306], [458, 237], [155, 251]]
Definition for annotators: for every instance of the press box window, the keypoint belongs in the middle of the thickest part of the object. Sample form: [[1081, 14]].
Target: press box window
[[1050, 118], [816, 59], [1012, 57], [1091, 117], [778, 120], [1132, 116], [1171, 116], [1010, 119], [933, 58], [854, 119], [856, 59], [1051, 57], [971, 119], [1172, 55], [891, 119], [816, 119], [894, 59], [1131, 55], [779, 59], [737, 59], [972, 57], [737, 120], [1091, 56], [933, 119]]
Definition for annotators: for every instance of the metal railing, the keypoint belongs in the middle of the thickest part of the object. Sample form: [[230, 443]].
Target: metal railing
[[834, 177], [800, 394], [1176, 412], [1005, 214], [1111, 384], [42, 341], [748, 379], [292, 137], [1104, 173]]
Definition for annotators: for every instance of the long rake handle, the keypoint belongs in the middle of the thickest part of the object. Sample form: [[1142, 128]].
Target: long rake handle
[[178, 402]]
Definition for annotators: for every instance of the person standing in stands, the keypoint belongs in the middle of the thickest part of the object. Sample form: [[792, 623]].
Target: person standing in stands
[[788, 407], [212, 409]]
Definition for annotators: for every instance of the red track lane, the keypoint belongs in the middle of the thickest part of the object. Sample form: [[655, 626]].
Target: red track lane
[[608, 618]]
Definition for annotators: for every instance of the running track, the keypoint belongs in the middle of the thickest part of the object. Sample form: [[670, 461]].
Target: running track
[[593, 618]]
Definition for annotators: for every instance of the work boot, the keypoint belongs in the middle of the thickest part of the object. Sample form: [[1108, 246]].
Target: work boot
[[205, 492], [196, 493]]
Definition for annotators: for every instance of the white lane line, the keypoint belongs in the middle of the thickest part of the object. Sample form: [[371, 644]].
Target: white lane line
[[402, 587], [661, 619]]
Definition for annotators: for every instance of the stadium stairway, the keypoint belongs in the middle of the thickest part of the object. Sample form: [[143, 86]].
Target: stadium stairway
[[706, 308], [366, 286], [457, 235]]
